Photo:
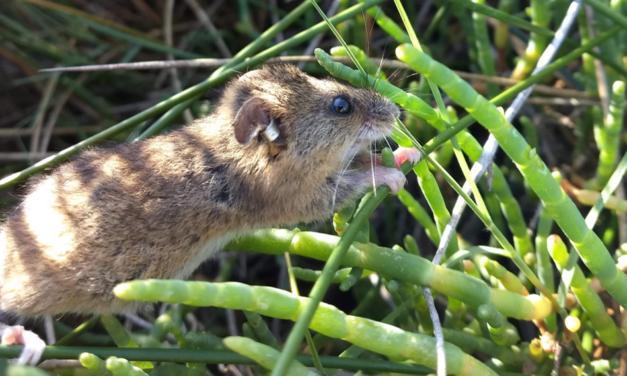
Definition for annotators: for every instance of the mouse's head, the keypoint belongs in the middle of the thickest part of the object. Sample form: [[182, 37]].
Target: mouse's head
[[311, 117]]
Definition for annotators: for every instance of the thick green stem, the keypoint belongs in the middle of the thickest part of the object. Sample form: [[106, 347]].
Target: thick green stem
[[609, 147], [544, 267], [540, 16], [589, 300], [414, 269], [327, 319]]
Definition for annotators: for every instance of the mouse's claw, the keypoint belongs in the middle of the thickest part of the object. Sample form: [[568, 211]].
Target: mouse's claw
[[403, 154], [393, 178], [33, 345]]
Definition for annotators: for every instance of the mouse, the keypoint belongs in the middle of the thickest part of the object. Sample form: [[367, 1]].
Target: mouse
[[281, 148]]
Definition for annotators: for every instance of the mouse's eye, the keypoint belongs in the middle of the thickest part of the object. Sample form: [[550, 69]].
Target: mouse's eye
[[341, 106]]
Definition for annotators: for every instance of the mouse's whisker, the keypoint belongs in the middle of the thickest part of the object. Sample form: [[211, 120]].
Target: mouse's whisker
[[376, 16], [394, 73], [381, 61], [369, 32], [343, 168], [387, 141], [374, 183], [419, 95]]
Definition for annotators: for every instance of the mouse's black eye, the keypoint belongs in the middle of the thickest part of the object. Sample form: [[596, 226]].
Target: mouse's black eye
[[341, 106]]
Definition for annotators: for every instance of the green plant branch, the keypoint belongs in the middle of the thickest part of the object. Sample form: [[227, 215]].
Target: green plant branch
[[212, 357]]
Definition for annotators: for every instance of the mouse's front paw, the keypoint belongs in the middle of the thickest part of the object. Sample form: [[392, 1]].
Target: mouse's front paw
[[403, 154], [391, 177], [33, 345]]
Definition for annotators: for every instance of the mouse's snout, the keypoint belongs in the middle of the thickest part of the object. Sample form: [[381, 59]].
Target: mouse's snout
[[382, 110], [380, 116]]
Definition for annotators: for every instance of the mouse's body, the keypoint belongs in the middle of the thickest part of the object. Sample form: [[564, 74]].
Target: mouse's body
[[158, 208]]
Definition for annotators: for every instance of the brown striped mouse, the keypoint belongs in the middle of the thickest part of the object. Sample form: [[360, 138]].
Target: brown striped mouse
[[281, 148]]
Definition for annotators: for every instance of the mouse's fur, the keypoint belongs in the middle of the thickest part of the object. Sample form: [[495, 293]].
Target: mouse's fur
[[158, 208]]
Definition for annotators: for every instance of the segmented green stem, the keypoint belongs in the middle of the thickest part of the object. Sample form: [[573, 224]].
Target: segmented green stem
[[501, 331], [529, 130], [609, 147], [18, 370], [589, 300], [416, 270], [432, 193], [540, 16], [566, 214], [261, 330], [484, 55], [471, 343], [418, 212], [122, 367], [121, 337], [587, 72], [513, 213], [544, 267], [264, 355], [501, 31], [327, 319], [68, 338], [363, 59], [508, 280], [94, 364]]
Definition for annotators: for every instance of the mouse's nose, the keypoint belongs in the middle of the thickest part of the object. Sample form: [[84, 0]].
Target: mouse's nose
[[383, 110], [393, 108]]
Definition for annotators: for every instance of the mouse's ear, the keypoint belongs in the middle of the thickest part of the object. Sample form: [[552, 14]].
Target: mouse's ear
[[251, 119]]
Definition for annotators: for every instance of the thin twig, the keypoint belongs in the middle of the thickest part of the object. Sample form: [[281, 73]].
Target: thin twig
[[41, 111], [138, 321], [384, 63], [55, 113], [437, 328]]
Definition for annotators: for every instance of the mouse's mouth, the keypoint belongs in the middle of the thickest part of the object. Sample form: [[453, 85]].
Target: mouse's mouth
[[364, 156], [379, 124], [379, 121], [371, 131]]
